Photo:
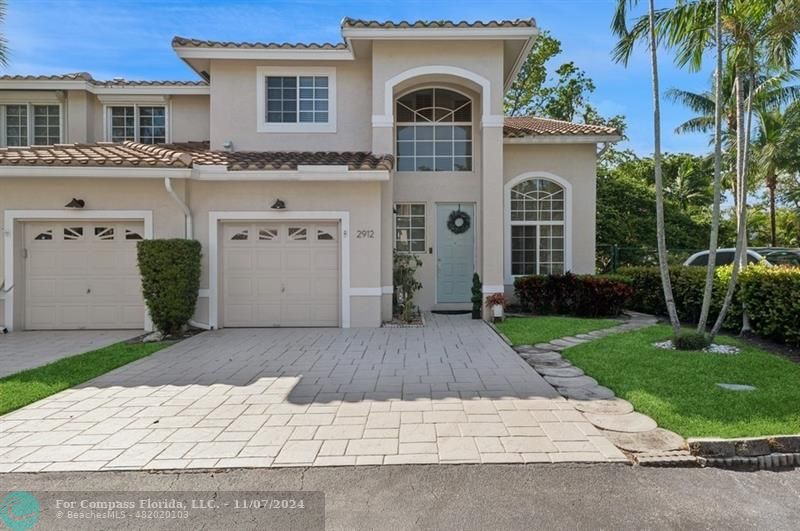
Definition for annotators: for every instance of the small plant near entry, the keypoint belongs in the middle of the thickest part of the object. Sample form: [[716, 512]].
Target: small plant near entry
[[496, 303], [690, 341], [477, 296], [405, 285], [170, 272]]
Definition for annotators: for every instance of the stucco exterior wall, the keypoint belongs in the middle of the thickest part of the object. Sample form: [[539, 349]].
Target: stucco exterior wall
[[575, 163], [361, 200], [190, 118], [234, 115], [99, 194]]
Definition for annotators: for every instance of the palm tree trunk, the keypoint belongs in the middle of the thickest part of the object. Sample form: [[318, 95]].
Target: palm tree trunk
[[741, 194], [771, 184], [745, 172], [660, 231], [708, 292]]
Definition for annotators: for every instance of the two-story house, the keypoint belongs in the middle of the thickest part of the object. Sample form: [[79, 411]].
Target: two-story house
[[300, 168]]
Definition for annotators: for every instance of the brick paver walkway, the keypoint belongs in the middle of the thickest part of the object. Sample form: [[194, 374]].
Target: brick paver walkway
[[25, 350], [452, 392]]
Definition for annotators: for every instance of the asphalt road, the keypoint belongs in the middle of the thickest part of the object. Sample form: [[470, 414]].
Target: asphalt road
[[461, 497]]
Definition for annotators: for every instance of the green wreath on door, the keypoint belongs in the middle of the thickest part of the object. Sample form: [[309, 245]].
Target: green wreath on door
[[458, 222]]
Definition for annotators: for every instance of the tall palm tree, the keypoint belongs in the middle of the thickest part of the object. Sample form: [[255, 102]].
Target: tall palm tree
[[619, 27], [774, 124], [759, 36]]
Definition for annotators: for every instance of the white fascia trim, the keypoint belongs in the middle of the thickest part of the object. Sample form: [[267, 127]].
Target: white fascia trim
[[440, 33], [562, 139], [12, 216], [43, 84], [109, 172], [154, 90], [214, 219], [265, 54], [492, 288], [303, 173], [568, 219], [521, 58], [128, 99]]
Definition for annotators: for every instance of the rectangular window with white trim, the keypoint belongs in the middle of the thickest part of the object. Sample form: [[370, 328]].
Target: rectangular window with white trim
[[146, 124], [409, 226], [27, 124], [301, 99]]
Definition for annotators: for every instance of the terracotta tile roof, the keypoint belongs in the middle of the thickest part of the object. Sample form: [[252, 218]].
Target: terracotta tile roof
[[127, 154], [198, 43], [87, 77], [282, 160], [520, 126], [184, 155], [348, 22]]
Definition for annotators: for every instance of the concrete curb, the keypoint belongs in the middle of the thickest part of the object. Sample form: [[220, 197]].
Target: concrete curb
[[774, 451]]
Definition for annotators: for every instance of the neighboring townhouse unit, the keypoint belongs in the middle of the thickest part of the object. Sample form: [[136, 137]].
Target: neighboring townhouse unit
[[301, 169]]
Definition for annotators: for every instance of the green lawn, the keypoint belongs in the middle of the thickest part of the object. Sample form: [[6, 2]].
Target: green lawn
[[23, 388], [541, 329], [677, 389]]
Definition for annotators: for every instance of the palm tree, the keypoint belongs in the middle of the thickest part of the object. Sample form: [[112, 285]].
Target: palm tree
[[774, 124], [759, 36], [619, 27], [3, 41]]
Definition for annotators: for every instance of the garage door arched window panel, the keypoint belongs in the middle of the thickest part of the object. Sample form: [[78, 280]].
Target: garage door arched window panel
[[324, 234], [46, 234], [268, 234], [132, 235], [104, 233], [298, 234], [73, 233], [434, 131], [538, 239]]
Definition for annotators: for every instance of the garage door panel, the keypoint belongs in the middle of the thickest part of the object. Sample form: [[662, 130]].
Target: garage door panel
[[82, 275], [295, 274], [239, 287]]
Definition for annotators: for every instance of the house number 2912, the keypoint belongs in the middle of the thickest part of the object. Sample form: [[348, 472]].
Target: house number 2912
[[360, 234]]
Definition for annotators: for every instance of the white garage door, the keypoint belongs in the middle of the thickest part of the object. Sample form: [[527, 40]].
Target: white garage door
[[281, 274], [82, 275]]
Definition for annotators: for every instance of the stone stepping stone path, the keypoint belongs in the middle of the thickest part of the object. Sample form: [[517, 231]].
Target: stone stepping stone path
[[633, 432], [653, 441]]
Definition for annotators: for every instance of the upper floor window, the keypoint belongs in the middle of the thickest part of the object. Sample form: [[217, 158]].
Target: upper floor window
[[27, 124], [434, 131], [301, 99], [138, 123]]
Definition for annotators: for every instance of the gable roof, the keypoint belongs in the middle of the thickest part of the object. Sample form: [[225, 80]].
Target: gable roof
[[184, 155], [526, 126]]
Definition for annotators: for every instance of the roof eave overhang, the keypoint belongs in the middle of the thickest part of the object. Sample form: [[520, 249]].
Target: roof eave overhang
[[316, 173], [44, 84], [527, 32], [520, 60], [132, 172], [561, 139], [263, 54]]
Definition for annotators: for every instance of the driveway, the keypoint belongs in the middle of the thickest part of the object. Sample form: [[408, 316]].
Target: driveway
[[452, 392], [25, 350]]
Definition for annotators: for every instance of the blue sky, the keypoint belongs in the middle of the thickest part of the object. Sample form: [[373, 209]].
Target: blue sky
[[131, 39]]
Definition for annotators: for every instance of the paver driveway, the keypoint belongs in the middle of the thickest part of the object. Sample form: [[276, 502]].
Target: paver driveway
[[451, 392], [25, 350]]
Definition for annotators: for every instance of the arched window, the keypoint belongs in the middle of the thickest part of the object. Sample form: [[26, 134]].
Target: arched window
[[434, 131], [537, 227]]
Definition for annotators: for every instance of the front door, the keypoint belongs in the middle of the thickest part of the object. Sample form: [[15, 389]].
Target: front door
[[455, 252]]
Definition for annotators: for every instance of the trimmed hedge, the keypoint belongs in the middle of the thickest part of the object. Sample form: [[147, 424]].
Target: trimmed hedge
[[688, 284], [170, 272], [581, 295], [772, 298]]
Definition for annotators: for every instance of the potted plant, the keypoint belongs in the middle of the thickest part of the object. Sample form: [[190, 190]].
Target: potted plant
[[496, 302], [477, 288]]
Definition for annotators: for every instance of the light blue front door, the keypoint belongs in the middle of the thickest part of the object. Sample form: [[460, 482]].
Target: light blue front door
[[455, 255]]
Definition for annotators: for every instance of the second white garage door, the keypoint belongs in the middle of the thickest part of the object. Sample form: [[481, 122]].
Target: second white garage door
[[281, 274]]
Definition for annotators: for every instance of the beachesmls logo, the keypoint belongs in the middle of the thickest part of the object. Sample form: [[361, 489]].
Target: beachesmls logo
[[19, 510]]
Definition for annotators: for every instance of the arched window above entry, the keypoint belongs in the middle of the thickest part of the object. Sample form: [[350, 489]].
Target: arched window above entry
[[434, 131], [537, 211]]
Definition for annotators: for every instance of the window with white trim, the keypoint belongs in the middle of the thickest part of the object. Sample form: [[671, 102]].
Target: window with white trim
[[537, 227], [146, 124], [409, 228], [434, 131], [27, 124], [301, 99]]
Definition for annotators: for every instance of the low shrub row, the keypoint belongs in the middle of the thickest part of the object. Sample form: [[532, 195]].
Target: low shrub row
[[772, 298], [581, 295]]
